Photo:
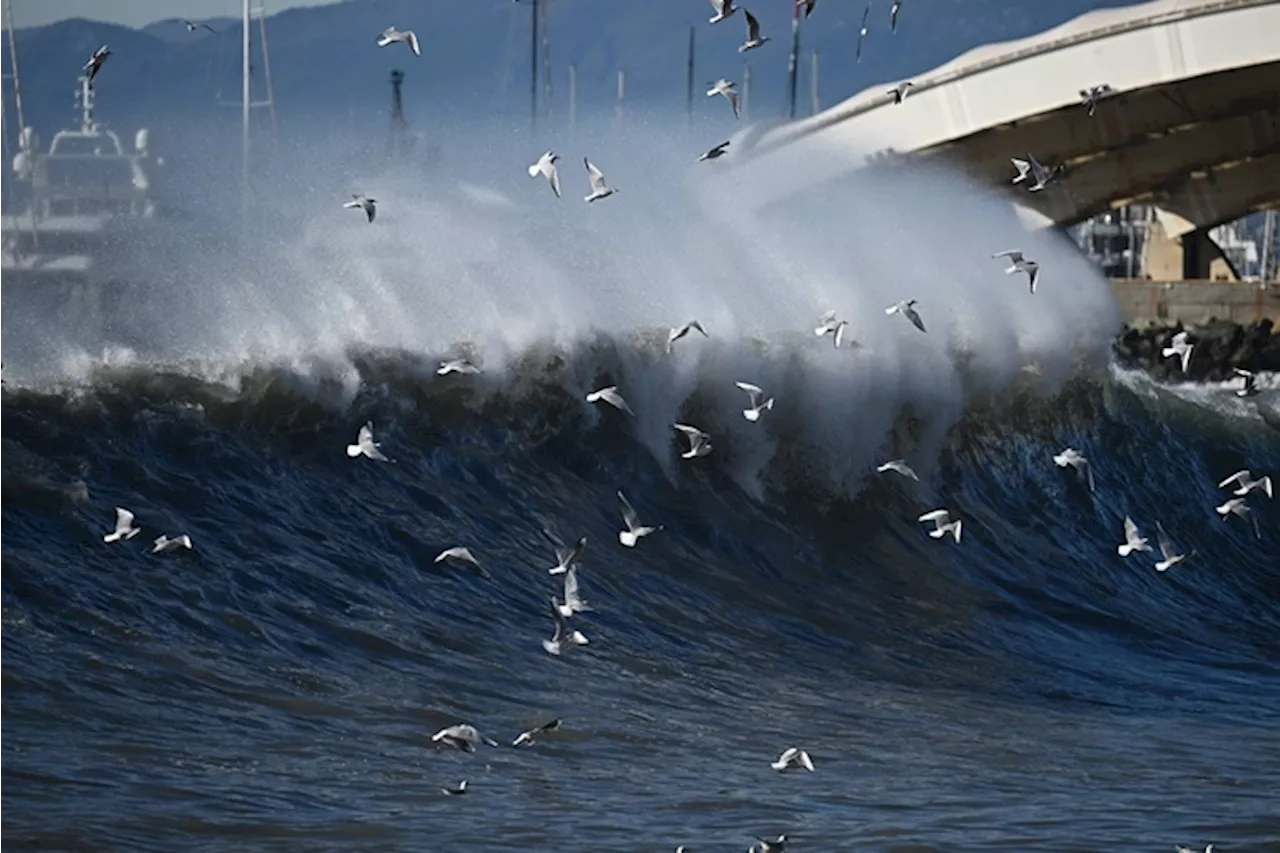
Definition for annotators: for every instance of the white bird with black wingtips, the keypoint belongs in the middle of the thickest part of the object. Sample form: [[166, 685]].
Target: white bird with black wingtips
[[898, 466], [725, 88], [1167, 551], [907, 309], [1250, 386], [599, 189], [1017, 264], [1237, 506], [462, 736], [528, 738], [754, 39], [1133, 541], [758, 404], [699, 441], [679, 332], [635, 530], [792, 758], [573, 600], [391, 35], [562, 640], [124, 527], [610, 395], [366, 446], [457, 365], [714, 152], [829, 325], [942, 525], [1072, 457], [363, 202], [165, 544], [900, 91], [1179, 347], [724, 9], [546, 166], [463, 558], [1245, 483]]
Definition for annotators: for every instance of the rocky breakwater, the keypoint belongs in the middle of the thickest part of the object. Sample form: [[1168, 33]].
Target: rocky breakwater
[[1218, 348]]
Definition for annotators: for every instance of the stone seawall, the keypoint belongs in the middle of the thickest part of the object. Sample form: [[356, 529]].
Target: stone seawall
[[1218, 348]]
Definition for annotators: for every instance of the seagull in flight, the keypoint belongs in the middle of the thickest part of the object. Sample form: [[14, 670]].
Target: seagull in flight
[[893, 15], [1020, 264], [391, 35], [599, 189], [527, 738], [829, 325], [907, 309], [754, 39], [724, 87], [1243, 480], [366, 446], [1237, 506], [192, 26], [463, 557], [562, 640], [1132, 541], [635, 530], [941, 524], [1171, 556], [124, 527], [779, 845], [565, 557], [1071, 456], [456, 365], [1023, 167], [457, 791], [1250, 386], [724, 9], [164, 544], [546, 166], [677, 333], [1207, 849], [1180, 347], [463, 736], [899, 92], [792, 758], [898, 466], [713, 153], [94, 65], [1041, 177], [611, 396], [573, 600], [1090, 97], [368, 205], [699, 441], [862, 31], [755, 394]]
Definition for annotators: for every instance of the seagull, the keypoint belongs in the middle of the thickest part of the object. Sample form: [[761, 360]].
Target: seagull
[[790, 758], [1023, 167], [1071, 456], [893, 15], [1171, 557], [562, 642], [192, 26], [1207, 849], [1132, 541], [756, 407], [1041, 175], [1250, 386], [573, 600], [831, 326], [699, 441], [126, 530], [94, 65], [1181, 347], [164, 544], [862, 31], [899, 92], [599, 189], [1020, 264], [546, 166], [677, 333], [724, 9], [1090, 97], [461, 556], [899, 466], [1243, 479], [754, 39], [777, 846], [941, 525], [1237, 506], [456, 365], [610, 395], [907, 309], [463, 736], [635, 530], [457, 791], [527, 738], [713, 153], [391, 35], [565, 557], [808, 6], [724, 87], [368, 205], [366, 446]]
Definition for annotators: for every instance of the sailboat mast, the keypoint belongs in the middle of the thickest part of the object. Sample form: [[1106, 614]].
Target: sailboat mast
[[246, 70]]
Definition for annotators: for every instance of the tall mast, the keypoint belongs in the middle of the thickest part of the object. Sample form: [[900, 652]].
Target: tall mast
[[246, 71], [688, 76], [793, 62], [533, 68], [13, 61]]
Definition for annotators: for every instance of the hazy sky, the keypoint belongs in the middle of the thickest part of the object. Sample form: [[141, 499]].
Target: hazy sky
[[135, 13]]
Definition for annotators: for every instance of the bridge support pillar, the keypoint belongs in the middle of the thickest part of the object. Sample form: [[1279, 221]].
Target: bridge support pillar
[[1176, 250]]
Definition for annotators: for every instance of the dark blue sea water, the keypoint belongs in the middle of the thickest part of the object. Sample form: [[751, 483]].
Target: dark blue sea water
[[277, 687]]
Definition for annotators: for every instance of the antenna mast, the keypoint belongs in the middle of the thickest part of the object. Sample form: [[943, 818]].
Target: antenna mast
[[533, 68]]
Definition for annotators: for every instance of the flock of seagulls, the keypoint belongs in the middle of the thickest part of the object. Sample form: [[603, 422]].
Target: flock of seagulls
[[1181, 347]]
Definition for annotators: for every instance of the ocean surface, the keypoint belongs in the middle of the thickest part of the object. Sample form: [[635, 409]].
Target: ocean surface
[[277, 687]]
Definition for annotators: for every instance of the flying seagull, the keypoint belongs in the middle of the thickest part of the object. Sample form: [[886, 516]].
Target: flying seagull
[[565, 557], [456, 791], [599, 189], [1090, 97], [724, 87], [1180, 347], [527, 738], [755, 407], [941, 525], [546, 166], [1208, 848], [1041, 177], [391, 35], [907, 309], [192, 26], [1171, 556], [126, 530], [573, 600], [94, 65], [1023, 167], [893, 15], [635, 530], [899, 92], [611, 396], [699, 441], [862, 31], [792, 758], [368, 205], [1237, 506], [463, 736], [724, 9], [899, 466], [713, 153], [677, 333], [1071, 456], [1019, 264], [1132, 541], [456, 365], [829, 325], [808, 6], [164, 544], [1243, 480], [1250, 386], [562, 641], [779, 845], [366, 446], [754, 39], [460, 556]]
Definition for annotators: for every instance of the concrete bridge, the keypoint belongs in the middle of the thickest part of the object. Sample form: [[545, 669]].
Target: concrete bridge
[[1193, 126]]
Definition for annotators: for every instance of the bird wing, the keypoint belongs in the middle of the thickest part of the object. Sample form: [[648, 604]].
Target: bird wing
[[124, 518], [694, 324], [1239, 475], [1037, 169], [806, 760], [866, 13], [1166, 544], [1240, 371], [629, 515], [734, 102], [365, 436], [413, 43], [914, 317], [808, 7], [1130, 530], [753, 26], [1012, 254], [755, 392], [553, 177], [594, 175], [692, 432], [718, 5], [571, 596], [788, 755], [1023, 167], [839, 336], [555, 613], [616, 399], [938, 515]]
